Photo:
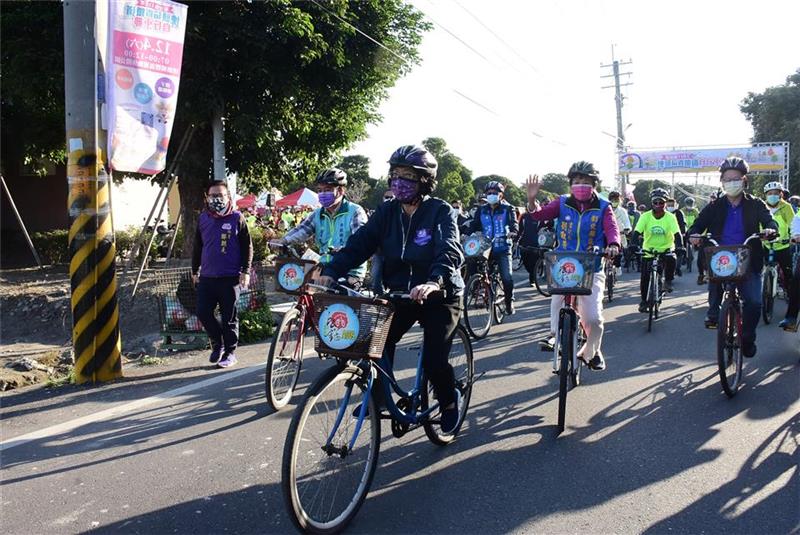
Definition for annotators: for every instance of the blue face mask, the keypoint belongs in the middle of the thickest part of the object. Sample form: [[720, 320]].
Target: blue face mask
[[493, 198], [772, 200]]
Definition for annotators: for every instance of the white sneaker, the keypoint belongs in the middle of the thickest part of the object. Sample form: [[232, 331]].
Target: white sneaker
[[618, 271]]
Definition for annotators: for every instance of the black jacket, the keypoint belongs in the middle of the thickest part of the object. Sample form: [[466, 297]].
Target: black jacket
[[755, 217], [418, 249]]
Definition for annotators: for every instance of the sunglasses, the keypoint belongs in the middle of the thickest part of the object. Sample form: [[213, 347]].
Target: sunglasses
[[658, 203]]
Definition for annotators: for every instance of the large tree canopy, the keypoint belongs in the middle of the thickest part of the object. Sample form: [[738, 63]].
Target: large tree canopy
[[775, 116]]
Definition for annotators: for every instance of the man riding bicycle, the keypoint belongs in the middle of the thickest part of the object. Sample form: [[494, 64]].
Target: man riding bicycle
[[584, 221], [623, 223], [333, 223], [731, 219], [783, 215], [498, 222], [661, 232], [419, 240]]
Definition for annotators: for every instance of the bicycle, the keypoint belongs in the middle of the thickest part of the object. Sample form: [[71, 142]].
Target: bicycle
[[516, 256], [484, 298], [547, 243], [772, 280], [332, 446], [728, 265], [655, 288], [688, 258], [611, 279], [569, 273]]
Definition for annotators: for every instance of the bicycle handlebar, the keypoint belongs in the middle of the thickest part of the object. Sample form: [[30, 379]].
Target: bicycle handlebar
[[710, 238]]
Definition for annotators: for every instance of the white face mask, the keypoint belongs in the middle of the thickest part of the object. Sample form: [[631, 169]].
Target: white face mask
[[733, 188], [670, 208], [493, 198]]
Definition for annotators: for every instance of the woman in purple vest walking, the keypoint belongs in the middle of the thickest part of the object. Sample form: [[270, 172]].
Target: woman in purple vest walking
[[221, 259]]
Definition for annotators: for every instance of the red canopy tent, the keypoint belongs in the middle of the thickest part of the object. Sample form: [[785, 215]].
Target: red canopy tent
[[248, 201], [301, 197]]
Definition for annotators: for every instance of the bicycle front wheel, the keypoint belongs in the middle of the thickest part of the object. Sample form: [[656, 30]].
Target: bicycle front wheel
[[540, 277], [499, 298], [729, 347], [285, 360], [652, 291], [565, 334], [610, 283], [767, 297], [478, 307], [460, 358], [324, 481]]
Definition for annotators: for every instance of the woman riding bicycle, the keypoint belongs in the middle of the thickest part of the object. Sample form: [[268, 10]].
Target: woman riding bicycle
[[419, 240], [584, 221]]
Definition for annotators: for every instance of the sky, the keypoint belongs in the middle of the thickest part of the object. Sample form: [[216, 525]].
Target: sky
[[692, 64]]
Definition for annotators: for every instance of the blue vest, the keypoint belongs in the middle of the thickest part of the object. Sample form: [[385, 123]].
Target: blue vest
[[581, 231], [332, 232], [495, 225]]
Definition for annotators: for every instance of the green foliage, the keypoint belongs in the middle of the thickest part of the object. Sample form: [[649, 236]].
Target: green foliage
[[357, 168], [375, 196], [448, 162], [52, 246], [451, 188], [256, 325], [555, 183], [775, 116], [259, 244], [514, 194], [642, 189], [147, 360]]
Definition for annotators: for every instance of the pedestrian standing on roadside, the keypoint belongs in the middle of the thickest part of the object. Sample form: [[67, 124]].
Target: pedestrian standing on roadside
[[221, 260]]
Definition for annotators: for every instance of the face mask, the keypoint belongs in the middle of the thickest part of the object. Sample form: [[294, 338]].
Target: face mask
[[327, 198], [582, 192], [217, 205], [494, 198], [404, 190], [670, 209], [734, 188], [773, 199]]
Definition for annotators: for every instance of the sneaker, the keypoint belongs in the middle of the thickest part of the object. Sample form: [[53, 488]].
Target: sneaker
[[710, 323], [789, 324], [228, 360], [668, 286], [598, 363], [216, 353], [749, 349], [548, 344], [643, 307], [701, 279]]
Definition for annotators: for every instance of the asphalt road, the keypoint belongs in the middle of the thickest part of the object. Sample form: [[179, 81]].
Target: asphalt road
[[652, 444]]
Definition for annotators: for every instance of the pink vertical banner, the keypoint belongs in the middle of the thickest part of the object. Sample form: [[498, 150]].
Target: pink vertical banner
[[143, 70]]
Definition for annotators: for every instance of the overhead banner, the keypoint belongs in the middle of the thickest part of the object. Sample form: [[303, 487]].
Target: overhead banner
[[143, 70], [766, 158]]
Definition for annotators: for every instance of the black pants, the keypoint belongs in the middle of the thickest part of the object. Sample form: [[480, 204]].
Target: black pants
[[529, 259], [222, 291], [439, 321], [784, 259], [701, 261], [668, 263]]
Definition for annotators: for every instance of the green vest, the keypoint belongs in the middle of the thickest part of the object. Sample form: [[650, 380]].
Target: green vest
[[332, 233], [783, 217]]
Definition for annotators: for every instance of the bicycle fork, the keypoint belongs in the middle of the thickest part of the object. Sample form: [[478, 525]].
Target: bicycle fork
[[343, 450]]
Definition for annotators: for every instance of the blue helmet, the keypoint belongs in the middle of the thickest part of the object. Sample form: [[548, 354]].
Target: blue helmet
[[417, 157]]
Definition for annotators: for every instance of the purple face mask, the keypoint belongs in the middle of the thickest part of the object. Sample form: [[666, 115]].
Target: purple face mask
[[404, 190], [326, 198]]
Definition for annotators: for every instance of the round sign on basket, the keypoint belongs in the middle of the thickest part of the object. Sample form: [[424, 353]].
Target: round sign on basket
[[338, 326], [567, 272], [290, 276], [724, 263], [472, 246]]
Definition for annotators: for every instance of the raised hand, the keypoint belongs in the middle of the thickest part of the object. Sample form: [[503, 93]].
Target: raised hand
[[533, 186]]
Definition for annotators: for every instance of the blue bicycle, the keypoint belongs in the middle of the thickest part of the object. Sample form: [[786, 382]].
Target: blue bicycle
[[332, 446]]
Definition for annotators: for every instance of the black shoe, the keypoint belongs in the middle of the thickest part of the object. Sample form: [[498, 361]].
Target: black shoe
[[216, 353], [678, 272], [643, 307], [710, 323], [749, 349], [701, 279], [668, 286], [598, 363], [509, 308], [449, 420]]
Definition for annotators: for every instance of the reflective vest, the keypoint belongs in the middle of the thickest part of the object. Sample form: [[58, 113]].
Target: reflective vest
[[581, 231], [331, 233], [783, 215]]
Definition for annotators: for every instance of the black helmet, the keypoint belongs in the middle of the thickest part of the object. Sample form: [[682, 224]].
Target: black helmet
[[583, 168], [494, 184], [689, 201], [417, 157], [332, 177], [659, 193], [733, 162], [613, 194], [631, 204]]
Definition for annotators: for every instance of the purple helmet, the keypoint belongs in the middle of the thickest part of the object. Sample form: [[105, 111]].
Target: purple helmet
[[417, 157]]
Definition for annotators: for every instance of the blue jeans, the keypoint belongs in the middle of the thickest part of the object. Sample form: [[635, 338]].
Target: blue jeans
[[750, 293], [503, 260]]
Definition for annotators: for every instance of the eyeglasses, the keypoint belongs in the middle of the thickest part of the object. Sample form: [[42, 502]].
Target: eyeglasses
[[658, 203], [407, 175], [217, 195], [388, 198]]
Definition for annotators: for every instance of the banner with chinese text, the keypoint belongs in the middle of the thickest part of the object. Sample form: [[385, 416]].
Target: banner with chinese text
[[764, 158]]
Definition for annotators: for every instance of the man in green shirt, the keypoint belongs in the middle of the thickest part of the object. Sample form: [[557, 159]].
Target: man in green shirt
[[661, 233]]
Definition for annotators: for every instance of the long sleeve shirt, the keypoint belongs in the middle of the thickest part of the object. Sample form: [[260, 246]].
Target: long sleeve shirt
[[552, 210]]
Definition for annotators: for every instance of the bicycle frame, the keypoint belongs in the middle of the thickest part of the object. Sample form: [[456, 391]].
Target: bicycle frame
[[567, 308]]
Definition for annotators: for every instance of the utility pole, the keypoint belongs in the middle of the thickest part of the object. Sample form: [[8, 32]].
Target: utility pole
[[618, 98], [218, 133], [95, 312]]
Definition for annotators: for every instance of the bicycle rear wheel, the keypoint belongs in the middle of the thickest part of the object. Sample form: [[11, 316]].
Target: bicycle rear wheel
[[285, 360], [729, 347], [499, 298], [478, 307], [652, 290], [565, 333], [540, 277], [460, 358], [767, 298], [323, 487]]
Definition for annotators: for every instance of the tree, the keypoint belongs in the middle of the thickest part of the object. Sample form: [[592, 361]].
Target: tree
[[514, 194], [358, 190], [555, 183], [357, 168], [448, 162], [642, 189], [775, 116], [451, 188]]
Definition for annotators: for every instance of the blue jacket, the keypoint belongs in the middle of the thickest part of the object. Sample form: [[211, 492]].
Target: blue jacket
[[497, 224], [418, 249]]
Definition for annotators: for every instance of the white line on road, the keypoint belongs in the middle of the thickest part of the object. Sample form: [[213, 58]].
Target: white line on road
[[121, 409]]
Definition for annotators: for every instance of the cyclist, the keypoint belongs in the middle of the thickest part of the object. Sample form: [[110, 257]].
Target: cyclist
[[529, 238], [690, 213], [623, 224], [419, 239], [661, 232], [584, 221], [790, 322], [783, 215], [731, 219], [333, 223], [498, 222], [673, 208]]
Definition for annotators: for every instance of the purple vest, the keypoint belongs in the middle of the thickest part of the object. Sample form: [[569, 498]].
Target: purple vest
[[221, 254]]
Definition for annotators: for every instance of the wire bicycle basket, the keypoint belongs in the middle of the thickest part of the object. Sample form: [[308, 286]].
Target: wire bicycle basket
[[351, 327]]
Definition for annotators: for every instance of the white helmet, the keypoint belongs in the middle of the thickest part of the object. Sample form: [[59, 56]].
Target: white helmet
[[773, 185]]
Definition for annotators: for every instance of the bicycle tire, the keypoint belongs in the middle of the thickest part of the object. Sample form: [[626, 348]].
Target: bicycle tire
[[575, 372], [298, 448], [499, 299], [283, 369], [767, 297], [689, 258], [660, 294], [464, 371], [651, 301], [729, 347], [540, 277], [566, 335], [476, 293], [610, 284], [516, 259]]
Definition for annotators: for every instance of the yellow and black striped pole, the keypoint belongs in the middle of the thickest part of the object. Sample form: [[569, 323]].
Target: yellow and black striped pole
[[95, 311]]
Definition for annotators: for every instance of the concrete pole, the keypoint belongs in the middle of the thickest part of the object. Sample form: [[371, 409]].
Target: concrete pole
[[218, 132]]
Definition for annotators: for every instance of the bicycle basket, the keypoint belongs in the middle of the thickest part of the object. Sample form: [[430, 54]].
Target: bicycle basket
[[547, 238], [476, 246], [351, 327], [290, 274], [727, 263], [569, 272]]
